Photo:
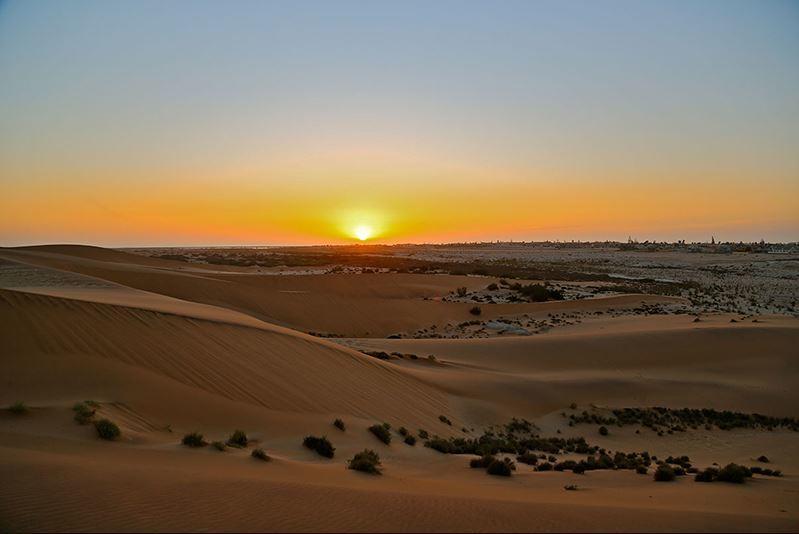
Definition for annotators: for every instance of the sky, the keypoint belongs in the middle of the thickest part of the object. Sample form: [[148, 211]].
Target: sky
[[262, 123]]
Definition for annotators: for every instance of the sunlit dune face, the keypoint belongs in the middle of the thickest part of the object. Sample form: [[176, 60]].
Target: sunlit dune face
[[363, 232]]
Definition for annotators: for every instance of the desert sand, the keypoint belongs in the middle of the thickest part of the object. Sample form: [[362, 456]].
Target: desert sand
[[166, 348]]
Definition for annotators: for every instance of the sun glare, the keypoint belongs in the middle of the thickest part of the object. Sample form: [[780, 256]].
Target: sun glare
[[363, 232]]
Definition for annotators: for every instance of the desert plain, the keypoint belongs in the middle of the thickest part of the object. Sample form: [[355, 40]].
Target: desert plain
[[682, 358]]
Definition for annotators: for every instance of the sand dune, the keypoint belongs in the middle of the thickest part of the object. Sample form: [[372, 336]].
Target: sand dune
[[350, 305]]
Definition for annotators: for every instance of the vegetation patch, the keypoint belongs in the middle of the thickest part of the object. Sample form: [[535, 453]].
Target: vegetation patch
[[83, 412], [381, 432], [321, 445], [238, 439], [338, 423], [18, 408], [107, 429], [219, 445], [194, 439], [366, 461], [664, 473], [260, 454], [501, 468]]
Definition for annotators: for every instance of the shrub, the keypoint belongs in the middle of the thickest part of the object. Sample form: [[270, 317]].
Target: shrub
[[734, 473], [338, 423], [763, 459], [461, 291], [664, 473], [219, 445], [423, 434], [366, 461], [527, 458], [107, 429], [381, 432], [402, 431], [444, 419], [260, 454], [492, 287], [482, 462], [83, 412], [641, 469], [321, 445], [603, 431], [19, 408], [708, 475], [410, 440], [195, 439], [570, 487], [238, 439], [501, 468], [544, 466], [475, 310]]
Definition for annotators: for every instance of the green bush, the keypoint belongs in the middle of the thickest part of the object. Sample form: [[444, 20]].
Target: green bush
[[763, 459], [402, 431], [475, 310], [366, 461], [107, 429], [219, 445], [423, 434], [664, 473], [381, 432], [603, 431], [260, 454], [734, 473], [238, 439], [708, 475], [19, 408], [527, 458], [544, 466], [501, 468], [410, 440], [194, 439], [641, 469], [83, 412], [321, 445], [570, 487], [338, 423], [444, 419]]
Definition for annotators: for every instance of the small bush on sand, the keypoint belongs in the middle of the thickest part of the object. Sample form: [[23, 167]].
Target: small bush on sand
[[410, 440], [366, 461], [423, 434], [195, 439], [321, 445], [444, 419], [527, 458], [83, 412], [708, 475], [475, 310], [338, 423], [402, 431], [381, 432], [238, 439], [544, 466], [603, 431], [501, 468], [763, 459], [107, 429], [664, 473], [219, 445], [19, 408], [570, 487], [260, 454], [641, 469], [492, 287], [482, 462], [734, 473]]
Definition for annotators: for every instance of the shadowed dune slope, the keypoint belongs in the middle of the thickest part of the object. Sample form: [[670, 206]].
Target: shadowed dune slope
[[280, 371]]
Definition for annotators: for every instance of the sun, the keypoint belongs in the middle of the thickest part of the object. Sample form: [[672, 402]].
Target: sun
[[363, 232]]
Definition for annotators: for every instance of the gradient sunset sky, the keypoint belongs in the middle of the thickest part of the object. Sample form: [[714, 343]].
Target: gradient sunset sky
[[212, 123]]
